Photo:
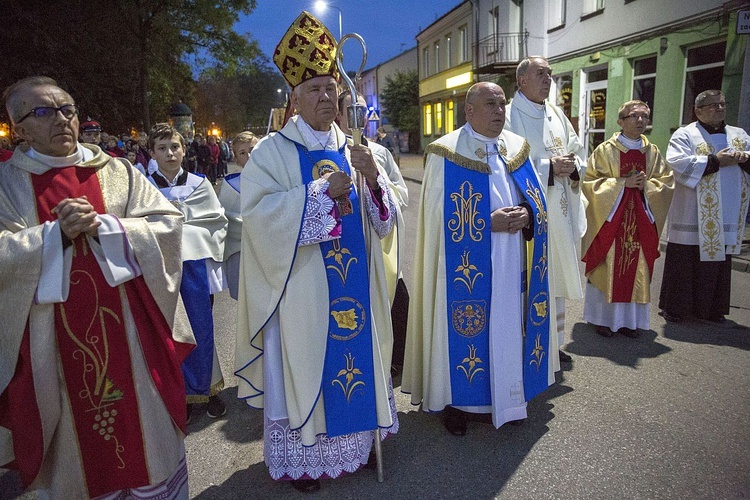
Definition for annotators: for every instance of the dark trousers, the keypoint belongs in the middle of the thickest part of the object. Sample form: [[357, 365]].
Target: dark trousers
[[694, 288]]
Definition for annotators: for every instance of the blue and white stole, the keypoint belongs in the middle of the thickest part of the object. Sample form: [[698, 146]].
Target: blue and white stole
[[468, 270], [348, 383], [537, 322], [468, 267]]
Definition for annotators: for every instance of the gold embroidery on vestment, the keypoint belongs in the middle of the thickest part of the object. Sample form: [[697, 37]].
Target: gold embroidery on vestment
[[465, 268], [338, 254], [471, 361], [349, 373], [467, 216], [538, 353]]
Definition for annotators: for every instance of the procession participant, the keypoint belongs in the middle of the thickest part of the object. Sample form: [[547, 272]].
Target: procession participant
[[91, 394], [398, 294], [91, 133], [478, 337], [203, 232], [711, 163], [229, 197], [628, 186], [313, 331], [556, 154]]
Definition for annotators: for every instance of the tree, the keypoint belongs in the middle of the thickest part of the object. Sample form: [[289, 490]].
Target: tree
[[125, 62], [400, 100], [238, 100]]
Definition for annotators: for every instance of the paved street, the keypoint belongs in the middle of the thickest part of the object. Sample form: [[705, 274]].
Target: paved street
[[662, 416]]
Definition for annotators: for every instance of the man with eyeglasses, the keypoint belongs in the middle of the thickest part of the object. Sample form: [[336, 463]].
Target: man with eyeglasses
[[92, 400], [628, 186], [706, 221]]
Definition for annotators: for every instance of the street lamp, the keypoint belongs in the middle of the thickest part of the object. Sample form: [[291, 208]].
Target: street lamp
[[322, 5]]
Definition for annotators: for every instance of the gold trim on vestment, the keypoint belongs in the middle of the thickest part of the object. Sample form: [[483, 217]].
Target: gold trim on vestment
[[512, 164]]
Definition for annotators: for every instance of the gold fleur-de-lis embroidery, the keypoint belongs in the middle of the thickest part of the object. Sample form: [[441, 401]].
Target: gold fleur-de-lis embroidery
[[467, 217], [541, 214], [629, 246], [537, 353], [349, 373], [471, 361], [338, 254], [541, 266], [465, 268]]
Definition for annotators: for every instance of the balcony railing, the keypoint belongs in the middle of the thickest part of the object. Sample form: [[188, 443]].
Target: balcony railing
[[500, 50]]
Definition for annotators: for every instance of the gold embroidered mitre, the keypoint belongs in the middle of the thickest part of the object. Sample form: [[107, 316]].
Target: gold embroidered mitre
[[307, 50]]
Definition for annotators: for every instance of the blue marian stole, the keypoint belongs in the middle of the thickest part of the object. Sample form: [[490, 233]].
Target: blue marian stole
[[348, 373], [468, 257], [537, 322], [468, 270]]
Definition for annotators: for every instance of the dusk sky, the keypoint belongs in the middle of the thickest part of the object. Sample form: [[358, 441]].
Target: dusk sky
[[388, 26]]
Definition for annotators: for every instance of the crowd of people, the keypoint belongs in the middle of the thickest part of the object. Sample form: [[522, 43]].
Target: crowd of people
[[112, 251]]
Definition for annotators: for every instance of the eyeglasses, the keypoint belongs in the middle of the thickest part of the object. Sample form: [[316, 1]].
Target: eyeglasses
[[715, 106], [636, 117], [68, 111]]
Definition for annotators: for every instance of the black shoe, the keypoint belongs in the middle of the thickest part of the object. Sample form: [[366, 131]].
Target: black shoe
[[672, 318], [456, 421], [565, 357], [604, 331], [189, 411], [306, 485], [630, 333], [215, 407]]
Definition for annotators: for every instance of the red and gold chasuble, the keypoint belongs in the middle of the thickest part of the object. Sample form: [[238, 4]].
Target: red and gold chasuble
[[630, 231], [96, 359]]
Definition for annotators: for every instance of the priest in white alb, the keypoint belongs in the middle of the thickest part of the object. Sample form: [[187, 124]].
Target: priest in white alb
[[557, 155], [314, 330]]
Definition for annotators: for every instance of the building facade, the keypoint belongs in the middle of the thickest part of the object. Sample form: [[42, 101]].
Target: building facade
[[606, 52]]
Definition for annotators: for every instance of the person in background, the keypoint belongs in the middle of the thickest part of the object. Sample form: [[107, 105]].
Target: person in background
[[229, 197], [113, 149], [214, 159], [92, 399], [131, 156], [204, 231], [706, 221], [398, 294], [628, 186], [314, 331], [91, 133], [556, 153], [478, 340]]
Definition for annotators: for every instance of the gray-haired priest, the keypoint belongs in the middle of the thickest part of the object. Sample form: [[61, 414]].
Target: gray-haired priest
[[314, 329], [706, 221], [478, 339]]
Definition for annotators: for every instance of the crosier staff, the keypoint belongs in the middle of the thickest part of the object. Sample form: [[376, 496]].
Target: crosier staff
[[356, 116]]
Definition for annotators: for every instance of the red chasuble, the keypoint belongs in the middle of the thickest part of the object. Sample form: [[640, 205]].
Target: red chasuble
[[630, 231], [95, 359]]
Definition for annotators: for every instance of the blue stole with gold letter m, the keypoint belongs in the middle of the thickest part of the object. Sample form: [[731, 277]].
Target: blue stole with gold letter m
[[536, 331], [348, 383], [468, 269]]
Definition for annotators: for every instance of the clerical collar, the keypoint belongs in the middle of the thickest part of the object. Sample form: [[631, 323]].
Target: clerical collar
[[159, 176], [630, 143], [80, 155], [492, 144], [721, 129], [325, 139], [541, 112]]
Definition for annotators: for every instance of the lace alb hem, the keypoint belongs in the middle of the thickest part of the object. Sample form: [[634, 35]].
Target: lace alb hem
[[287, 458]]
